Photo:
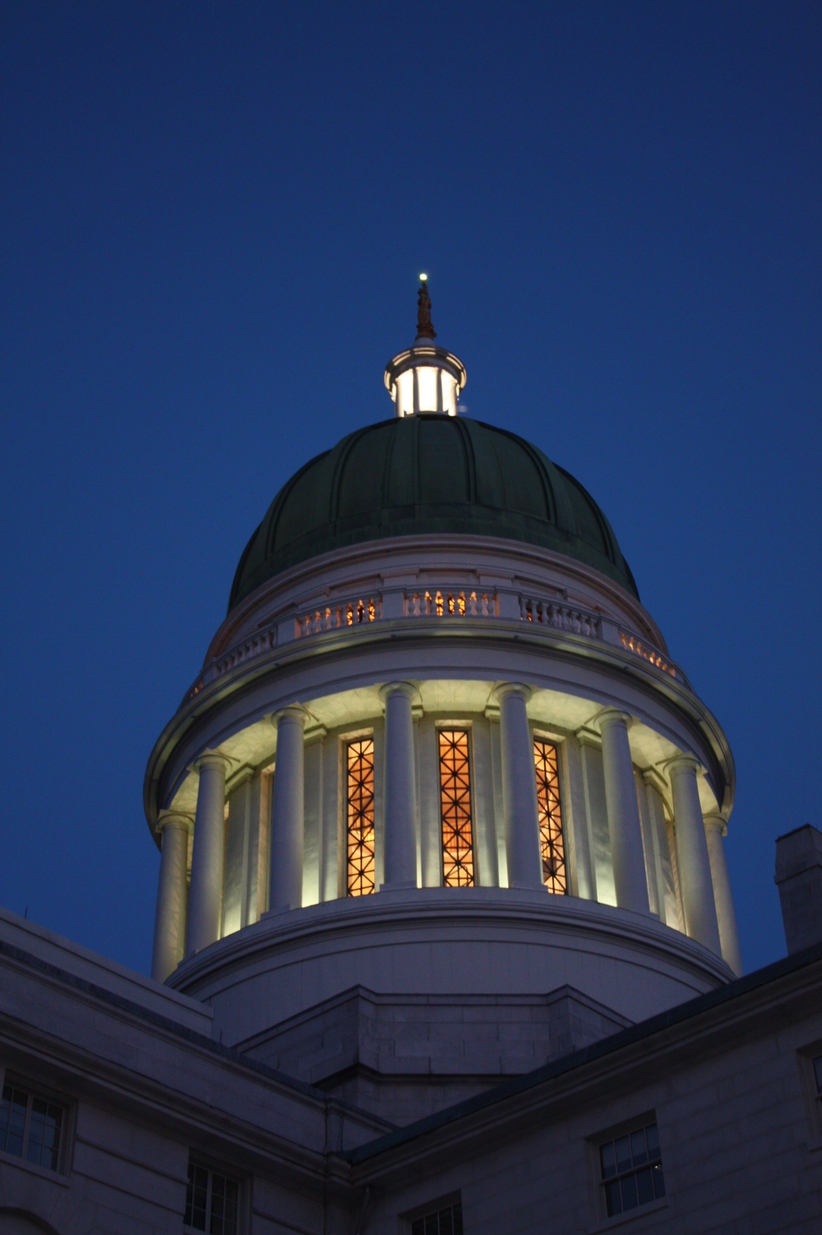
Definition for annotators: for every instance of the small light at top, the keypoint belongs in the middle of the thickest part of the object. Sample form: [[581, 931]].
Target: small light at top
[[423, 278]]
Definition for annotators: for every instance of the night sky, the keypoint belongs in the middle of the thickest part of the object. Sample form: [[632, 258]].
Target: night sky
[[213, 218]]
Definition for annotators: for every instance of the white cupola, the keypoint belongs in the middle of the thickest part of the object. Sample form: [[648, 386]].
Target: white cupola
[[425, 378]]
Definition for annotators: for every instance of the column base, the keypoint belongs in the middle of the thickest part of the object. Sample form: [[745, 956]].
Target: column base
[[402, 886], [279, 909]]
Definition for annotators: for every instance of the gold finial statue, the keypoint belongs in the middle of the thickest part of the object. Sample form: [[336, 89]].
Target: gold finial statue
[[425, 328]]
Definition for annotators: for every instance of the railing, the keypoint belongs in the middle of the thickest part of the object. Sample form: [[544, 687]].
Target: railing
[[438, 603], [450, 604], [338, 616], [561, 617], [632, 644], [255, 645]]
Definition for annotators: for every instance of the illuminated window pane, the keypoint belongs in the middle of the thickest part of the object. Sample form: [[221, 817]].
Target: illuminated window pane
[[455, 806], [360, 871], [427, 388], [550, 816]]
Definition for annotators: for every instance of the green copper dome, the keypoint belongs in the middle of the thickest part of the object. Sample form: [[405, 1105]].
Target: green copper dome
[[429, 474]]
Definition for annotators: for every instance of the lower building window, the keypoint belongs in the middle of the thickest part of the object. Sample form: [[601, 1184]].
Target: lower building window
[[359, 769], [631, 1167], [30, 1126], [552, 846], [455, 808], [443, 1221], [212, 1201]]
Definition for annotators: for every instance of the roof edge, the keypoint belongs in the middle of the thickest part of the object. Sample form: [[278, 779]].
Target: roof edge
[[598, 1050]]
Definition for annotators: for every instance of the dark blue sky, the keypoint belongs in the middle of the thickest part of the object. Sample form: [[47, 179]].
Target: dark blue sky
[[213, 216]]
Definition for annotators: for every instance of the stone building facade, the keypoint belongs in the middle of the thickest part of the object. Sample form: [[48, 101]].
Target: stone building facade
[[445, 938]]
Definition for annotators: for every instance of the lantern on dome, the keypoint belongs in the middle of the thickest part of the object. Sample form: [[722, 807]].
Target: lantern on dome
[[425, 379]]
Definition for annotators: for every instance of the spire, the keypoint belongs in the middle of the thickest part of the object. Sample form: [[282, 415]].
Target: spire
[[425, 379], [425, 327]]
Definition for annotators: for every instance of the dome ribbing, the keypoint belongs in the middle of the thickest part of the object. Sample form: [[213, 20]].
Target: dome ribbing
[[422, 475]]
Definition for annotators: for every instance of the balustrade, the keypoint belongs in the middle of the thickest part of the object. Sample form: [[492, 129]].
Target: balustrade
[[445, 602]]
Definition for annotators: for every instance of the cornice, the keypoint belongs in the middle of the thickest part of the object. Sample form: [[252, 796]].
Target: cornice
[[83, 1069], [419, 909], [482, 632], [388, 558]]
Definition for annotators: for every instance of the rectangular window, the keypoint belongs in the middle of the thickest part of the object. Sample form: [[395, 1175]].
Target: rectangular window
[[817, 1072], [30, 1126], [631, 1169], [444, 1221], [359, 770], [212, 1201], [552, 845], [455, 809]]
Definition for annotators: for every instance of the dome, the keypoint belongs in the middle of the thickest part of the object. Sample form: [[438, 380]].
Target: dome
[[427, 474]]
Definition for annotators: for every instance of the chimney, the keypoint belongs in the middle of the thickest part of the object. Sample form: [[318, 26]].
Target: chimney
[[799, 879]]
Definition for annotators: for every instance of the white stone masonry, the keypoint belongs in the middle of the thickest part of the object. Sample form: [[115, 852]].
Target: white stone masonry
[[519, 788], [692, 855], [400, 787], [208, 859], [288, 812], [623, 813], [170, 918]]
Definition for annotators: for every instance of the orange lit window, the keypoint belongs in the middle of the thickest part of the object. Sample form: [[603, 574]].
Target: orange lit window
[[550, 816], [360, 816], [455, 806]]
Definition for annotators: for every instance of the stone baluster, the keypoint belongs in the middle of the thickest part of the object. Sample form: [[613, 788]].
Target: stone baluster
[[400, 864], [624, 824], [288, 812], [208, 858], [170, 916], [693, 861], [519, 788], [715, 829]]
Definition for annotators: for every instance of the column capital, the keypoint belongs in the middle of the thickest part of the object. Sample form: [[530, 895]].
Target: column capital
[[613, 716], [408, 689], [683, 762], [293, 713], [511, 688], [654, 778], [173, 819], [714, 822], [212, 758], [588, 736]]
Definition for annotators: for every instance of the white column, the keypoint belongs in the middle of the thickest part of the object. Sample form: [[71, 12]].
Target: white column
[[208, 858], [400, 787], [170, 917], [288, 812], [624, 824], [519, 788], [715, 829], [693, 862]]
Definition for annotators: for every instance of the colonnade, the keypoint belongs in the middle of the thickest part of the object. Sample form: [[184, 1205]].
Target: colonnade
[[703, 876]]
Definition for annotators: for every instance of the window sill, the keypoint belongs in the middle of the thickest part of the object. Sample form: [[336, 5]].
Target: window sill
[[608, 1224], [42, 1172]]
